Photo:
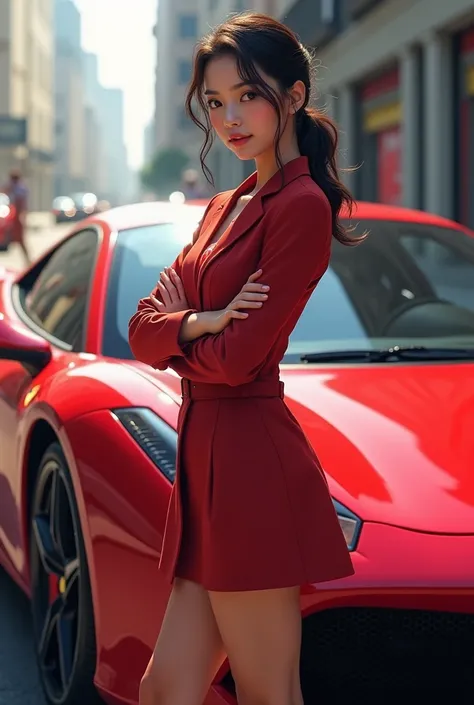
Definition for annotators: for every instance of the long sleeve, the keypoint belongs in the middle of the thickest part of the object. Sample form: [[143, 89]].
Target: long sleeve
[[153, 336], [294, 257]]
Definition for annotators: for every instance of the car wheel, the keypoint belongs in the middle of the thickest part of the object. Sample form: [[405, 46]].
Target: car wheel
[[63, 619]]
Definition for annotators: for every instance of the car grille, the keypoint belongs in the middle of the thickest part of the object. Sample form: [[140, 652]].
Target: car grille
[[373, 655], [379, 656]]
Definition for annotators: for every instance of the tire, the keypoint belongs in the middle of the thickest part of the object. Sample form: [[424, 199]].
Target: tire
[[61, 602]]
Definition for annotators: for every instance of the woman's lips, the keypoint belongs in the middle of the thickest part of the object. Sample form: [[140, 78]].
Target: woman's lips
[[240, 141]]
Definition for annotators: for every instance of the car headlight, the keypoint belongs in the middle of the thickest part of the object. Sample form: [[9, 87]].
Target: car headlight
[[350, 524], [153, 435]]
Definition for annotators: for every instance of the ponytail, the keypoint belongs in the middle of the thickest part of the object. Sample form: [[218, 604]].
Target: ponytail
[[317, 140]]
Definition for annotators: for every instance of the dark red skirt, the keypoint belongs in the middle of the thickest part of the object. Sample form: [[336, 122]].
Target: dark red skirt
[[251, 509]]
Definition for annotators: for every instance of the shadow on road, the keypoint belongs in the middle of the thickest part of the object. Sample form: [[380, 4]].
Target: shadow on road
[[19, 683]]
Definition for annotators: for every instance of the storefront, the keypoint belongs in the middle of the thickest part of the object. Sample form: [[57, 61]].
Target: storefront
[[380, 143], [465, 146]]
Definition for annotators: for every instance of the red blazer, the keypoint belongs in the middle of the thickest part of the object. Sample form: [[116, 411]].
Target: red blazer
[[287, 233]]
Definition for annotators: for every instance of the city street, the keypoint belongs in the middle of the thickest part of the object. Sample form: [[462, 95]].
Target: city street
[[18, 675]]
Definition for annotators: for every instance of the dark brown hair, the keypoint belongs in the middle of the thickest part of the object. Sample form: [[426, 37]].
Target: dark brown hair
[[260, 42]]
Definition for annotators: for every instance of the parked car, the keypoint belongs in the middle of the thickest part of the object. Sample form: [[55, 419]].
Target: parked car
[[7, 216], [75, 207], [379, 372]]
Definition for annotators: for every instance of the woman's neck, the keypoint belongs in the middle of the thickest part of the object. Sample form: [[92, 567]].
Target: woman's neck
[[267, 166]]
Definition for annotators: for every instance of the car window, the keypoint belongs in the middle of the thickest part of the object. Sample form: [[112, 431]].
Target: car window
[[57, 301], [408, 284], [450, 271], [140, 255]]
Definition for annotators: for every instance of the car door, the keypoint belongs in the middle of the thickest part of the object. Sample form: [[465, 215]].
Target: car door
[[55, 305]]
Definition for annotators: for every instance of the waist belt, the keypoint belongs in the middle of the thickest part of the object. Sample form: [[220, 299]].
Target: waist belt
[[258, 388]]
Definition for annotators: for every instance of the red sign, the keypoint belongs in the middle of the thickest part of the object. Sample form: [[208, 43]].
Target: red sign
[[389, 157]]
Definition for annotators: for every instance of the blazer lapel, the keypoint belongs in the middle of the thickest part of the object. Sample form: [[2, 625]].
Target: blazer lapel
[[249, 216]]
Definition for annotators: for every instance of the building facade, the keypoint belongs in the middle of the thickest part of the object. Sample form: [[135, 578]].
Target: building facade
[[27, 95], [111, 110], [71, 141], [97, 169], [399, 80], [176, 32]]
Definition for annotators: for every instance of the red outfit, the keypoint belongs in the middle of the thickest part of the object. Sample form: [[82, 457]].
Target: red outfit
[[250, 508]]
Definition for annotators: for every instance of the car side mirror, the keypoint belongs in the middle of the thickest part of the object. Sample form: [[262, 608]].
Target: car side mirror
[[21, 345]]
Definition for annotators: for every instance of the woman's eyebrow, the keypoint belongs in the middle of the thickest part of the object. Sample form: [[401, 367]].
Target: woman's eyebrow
[[209, 91]]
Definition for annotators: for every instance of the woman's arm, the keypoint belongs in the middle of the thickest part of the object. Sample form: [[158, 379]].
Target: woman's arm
[[295, 256], [153, 335]]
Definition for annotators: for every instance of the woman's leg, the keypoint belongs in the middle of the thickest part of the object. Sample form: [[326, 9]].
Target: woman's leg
[[261, 631], [188, 651]]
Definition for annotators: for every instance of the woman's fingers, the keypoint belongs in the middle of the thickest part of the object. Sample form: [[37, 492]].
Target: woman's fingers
[[177, 283], [170, 285], [253, 277], [157, 303], [232, 313], [165, 294], [255, 287], [252, 296], [241, 303]]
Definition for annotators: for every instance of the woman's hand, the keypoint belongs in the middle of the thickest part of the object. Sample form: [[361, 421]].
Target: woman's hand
[[172, 294], [252, 296]]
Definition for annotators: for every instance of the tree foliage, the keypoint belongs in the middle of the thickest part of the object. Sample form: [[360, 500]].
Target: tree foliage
[[162, 174]]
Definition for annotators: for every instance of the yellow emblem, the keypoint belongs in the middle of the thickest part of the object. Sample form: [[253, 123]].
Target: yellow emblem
[[62, 585]]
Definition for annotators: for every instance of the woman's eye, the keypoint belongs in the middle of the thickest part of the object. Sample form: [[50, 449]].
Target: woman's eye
[[213, 104], [250, 95]]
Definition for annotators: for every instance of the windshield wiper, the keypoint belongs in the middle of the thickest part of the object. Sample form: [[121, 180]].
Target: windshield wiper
[[395, 354]]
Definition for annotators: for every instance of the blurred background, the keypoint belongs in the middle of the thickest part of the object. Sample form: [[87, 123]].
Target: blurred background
[[92, 97]]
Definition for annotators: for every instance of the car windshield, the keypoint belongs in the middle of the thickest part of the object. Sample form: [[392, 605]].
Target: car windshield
[[409, 284]]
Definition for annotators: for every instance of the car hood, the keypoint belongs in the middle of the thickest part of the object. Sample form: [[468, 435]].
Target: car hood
[[396, 441]]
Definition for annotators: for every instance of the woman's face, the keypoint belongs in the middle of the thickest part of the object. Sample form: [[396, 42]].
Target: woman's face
[[244, 121]]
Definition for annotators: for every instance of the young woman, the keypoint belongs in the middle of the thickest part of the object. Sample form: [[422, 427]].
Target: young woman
[[250, 518]]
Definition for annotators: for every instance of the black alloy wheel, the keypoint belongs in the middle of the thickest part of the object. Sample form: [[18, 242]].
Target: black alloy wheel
[[61, 601]]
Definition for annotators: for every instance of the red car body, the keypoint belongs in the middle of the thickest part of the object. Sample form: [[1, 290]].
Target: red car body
[[395, 441]]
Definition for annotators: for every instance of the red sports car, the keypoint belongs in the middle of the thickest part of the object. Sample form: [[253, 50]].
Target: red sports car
[[379, 371]]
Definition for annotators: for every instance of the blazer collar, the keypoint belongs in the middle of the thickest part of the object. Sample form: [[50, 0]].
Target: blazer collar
[[252, 212]]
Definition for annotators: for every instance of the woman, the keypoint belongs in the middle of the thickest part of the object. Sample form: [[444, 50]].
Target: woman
[[250, 518]]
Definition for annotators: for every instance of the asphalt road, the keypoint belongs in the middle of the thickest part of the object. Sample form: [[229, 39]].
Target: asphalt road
[[19, 683]]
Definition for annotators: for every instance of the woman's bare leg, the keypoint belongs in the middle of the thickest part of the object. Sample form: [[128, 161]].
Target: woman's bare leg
[[261, 631], [188, 651]]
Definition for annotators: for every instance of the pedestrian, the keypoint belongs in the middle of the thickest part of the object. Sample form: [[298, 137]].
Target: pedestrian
[[250, 518], [17, 192]]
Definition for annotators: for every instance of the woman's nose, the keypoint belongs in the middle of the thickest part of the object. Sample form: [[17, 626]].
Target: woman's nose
[[231, 118]]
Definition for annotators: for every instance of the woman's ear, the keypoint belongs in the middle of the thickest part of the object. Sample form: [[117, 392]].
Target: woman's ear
[[297, 96]]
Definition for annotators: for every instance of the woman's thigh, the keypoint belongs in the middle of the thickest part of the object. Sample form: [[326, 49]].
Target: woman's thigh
[[188, 650], [261, 632]]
